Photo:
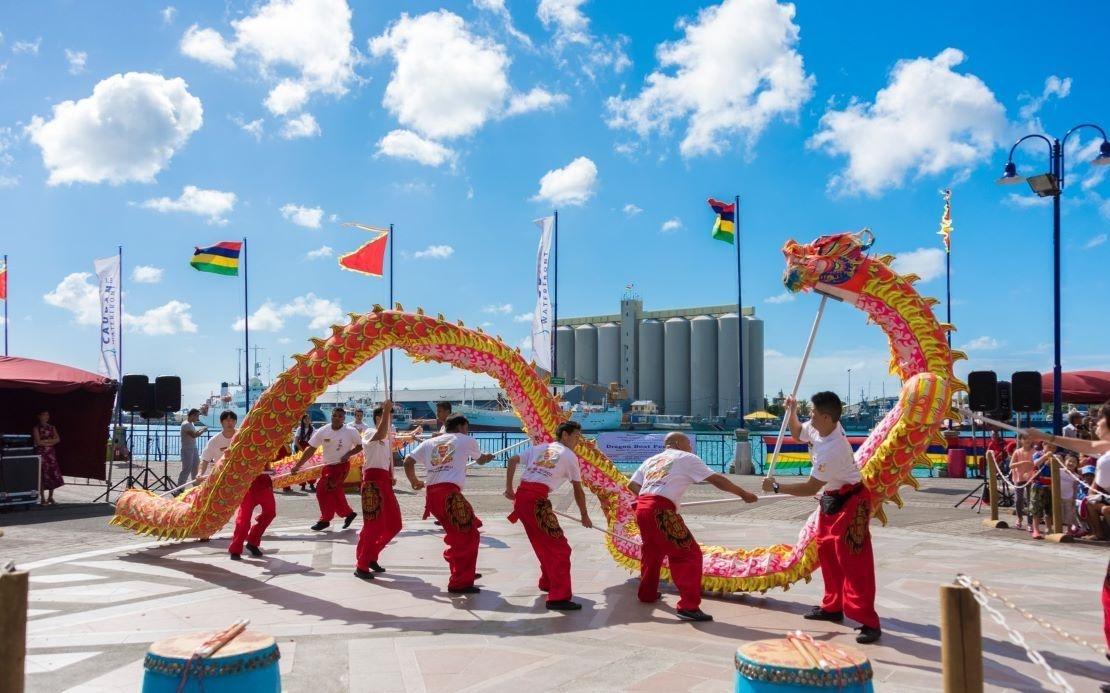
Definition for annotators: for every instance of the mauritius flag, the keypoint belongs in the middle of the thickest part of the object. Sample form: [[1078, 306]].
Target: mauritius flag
[[222, 258], [724, 229]]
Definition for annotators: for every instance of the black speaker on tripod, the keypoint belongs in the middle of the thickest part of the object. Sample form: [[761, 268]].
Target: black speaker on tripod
[[150, 408], [982, 391], [132, 393], [1026, 391], [1005, 409], [167, 393]]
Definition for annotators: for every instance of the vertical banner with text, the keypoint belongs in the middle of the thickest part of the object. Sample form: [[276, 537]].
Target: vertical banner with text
[[542, 329], [107, 272]]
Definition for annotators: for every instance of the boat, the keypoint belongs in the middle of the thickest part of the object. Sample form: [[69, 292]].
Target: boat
[[231, 398], [591, 417]]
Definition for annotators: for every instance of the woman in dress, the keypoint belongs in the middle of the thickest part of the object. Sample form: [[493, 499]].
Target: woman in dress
[[46, 439]]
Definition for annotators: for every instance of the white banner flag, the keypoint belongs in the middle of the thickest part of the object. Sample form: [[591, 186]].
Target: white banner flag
[[107, 271], [542, 327]]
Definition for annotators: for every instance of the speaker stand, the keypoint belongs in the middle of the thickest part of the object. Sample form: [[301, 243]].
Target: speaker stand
[[148, 478], [129, 480], [978, 501]]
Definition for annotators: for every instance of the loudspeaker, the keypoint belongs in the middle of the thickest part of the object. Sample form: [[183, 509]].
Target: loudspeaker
[[1005, 410], [167, 393], [19, 479], [1026, 391], [150, 403], [132, 392], [982, 391]]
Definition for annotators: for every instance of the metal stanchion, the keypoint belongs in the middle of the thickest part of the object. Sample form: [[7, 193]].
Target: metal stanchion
[[961, 640]]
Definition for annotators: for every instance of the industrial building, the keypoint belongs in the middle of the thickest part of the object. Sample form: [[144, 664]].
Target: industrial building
[[686, 360]]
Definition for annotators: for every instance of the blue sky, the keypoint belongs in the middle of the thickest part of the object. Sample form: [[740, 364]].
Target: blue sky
[[159, 128]]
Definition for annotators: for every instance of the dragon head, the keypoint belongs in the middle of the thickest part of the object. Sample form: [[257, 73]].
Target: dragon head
[[831, 259]]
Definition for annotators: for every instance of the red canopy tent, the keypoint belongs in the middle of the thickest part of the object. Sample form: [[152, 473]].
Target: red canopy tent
[[80, 405], [1079, 387]]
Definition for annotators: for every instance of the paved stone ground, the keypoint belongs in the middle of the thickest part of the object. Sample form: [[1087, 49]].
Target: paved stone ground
[[100, 596]]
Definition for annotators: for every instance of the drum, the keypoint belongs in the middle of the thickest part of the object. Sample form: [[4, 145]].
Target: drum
[[798, 663], [247, 664]]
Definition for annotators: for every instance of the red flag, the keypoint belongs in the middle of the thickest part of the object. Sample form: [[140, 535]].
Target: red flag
[[4, 283], [370, 258]]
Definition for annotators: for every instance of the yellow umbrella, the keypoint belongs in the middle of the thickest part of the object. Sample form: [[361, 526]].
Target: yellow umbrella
[[760, 415]]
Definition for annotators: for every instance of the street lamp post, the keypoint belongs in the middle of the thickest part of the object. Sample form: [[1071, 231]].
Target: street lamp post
[[1051, 184]]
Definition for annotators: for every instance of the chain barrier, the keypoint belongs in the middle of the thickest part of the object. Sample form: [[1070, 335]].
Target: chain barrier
[[980, 592]]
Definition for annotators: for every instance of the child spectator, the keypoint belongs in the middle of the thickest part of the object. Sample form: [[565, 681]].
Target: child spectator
[[1021, 471], [1040, 496], [1068, 486]]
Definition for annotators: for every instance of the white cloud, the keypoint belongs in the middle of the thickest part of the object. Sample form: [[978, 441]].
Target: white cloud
[[406, 144], [308, 217], [631, 209], [628, 149], [1095, 242], [523, 317], [171, 318], [502, 308], [305, 46], [270, 317], [321, 252], [284, 340], [435, 252], [303, 125], [927, 263], [981, 344], [1027, 200], [672, 224], [572, 28], [497, 7], [27, 47], [79, 295], [748, 45], [571, 185], [536, 100], [76, 60], [208, 46], [784, 297], [168, 13], [1053, 87], [127, 130], [447, 82], [146, 274], [253, 128], [929, 119], [211, 204], [8, 139]]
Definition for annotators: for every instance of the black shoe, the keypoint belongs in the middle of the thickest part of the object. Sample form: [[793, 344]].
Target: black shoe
[[464, 590], [477, 576], [319, 526], [363, 574], [235, 557], [693, 615], [349, 519], [376, 567], [255, 551], [564, 605], [867, 635], [819, 614]]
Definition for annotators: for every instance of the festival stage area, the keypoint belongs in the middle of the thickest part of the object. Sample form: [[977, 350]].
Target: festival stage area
[[99, 597]]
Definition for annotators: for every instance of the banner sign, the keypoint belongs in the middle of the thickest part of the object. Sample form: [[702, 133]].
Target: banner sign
[[107, 271], [621, 446], [541, 316]]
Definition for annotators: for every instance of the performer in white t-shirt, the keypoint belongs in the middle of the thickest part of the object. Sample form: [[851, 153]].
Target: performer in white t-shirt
[[381, 515], [546, 467], [844, 523], [444, 459], [337, 444], [659, 484], [358, 424]]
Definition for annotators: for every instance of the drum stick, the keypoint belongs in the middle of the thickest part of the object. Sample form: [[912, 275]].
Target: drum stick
[[213, 645]]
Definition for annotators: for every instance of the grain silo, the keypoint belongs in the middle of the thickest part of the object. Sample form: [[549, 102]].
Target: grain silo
[[564, 357], [676, 366], [650, 380], [608, 354], [703, 366], [753, 368], [728, 366], [585, 354]]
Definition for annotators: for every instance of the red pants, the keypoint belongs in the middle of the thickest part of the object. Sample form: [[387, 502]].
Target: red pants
[[1106, 607], [847, 562], [260, 493], [533, 509], [665, 536], [329, 491], [381, 516], [448, 505]]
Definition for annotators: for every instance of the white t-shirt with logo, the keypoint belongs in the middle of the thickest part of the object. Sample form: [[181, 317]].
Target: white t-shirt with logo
[[378, 454], [550, 464], [445, 456], [833, 460], [1102, 472], [334, 444], [216, 447], [669, 474]]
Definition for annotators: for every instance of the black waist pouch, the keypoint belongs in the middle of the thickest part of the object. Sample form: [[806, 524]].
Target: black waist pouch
[[831, 504]]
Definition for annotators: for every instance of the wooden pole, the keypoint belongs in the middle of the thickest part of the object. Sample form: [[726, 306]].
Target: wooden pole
[[1057, 535], [961, 640], [992, 484], [13, 637]]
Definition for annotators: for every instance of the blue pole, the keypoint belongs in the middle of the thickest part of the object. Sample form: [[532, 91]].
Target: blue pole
[[739, 313], [1057, 375], [246, 333], [390, 383]]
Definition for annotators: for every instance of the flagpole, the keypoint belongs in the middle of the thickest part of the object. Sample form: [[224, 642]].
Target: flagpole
[[246, 332], [119, 337], [7, 283], [555, 309], [389, 384], [739, 315], [948, 266]]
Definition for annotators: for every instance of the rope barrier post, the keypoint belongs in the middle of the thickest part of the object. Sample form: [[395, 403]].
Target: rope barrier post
[[13, 638], [1057, 535], [992, 486], [961, 640]]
